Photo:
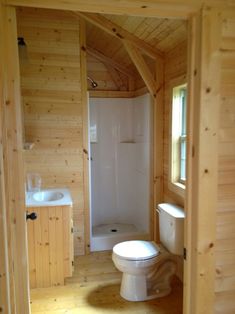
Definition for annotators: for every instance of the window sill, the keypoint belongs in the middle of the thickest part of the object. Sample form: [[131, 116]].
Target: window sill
[[177, 188]]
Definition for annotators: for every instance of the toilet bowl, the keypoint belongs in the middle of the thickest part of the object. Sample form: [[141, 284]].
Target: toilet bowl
[[147, 267], [145, 275]]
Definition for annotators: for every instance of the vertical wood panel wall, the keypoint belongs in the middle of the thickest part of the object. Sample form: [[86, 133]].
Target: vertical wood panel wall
[[13, 230], [4, 271], [51, 94], [225, 246], [175, 67]]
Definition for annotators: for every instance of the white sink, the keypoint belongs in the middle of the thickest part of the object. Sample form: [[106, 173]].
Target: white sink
[[47, 196]]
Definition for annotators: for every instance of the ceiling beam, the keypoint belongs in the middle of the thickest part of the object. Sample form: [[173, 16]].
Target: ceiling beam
[[104, 59], [120, 33], [142, 67], [151, 8]]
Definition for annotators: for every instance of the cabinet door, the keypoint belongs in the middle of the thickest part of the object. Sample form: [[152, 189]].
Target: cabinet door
[[50, 246]]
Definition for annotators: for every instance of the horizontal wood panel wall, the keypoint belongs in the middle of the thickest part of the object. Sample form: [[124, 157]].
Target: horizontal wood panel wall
[[99, 73], [225, 246], [175, 67], [51, 95]]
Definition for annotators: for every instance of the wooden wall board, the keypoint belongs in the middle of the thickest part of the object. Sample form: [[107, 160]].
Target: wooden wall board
[[204, 91], [5, 304], [225, 235], [51, 94], [85, 118], [11, 130]]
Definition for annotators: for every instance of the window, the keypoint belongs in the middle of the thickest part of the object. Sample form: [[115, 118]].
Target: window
[[178, 136]]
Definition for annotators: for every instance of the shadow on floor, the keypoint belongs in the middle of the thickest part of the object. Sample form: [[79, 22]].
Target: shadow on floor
[[107, 297]]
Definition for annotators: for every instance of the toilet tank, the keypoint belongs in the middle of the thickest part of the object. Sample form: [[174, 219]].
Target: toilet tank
[[171, 225]]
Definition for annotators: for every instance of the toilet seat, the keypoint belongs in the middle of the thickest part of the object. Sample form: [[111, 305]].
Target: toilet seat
[[136, 250]]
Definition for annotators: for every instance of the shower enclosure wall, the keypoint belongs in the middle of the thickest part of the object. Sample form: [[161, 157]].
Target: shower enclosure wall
[[119, 170]]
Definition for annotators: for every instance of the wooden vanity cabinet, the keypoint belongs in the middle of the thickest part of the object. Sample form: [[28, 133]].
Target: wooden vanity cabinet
[[50, 246]]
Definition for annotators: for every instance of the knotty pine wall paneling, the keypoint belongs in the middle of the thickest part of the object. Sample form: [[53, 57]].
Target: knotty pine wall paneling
[[99, 73], [51, 96], [225, 229]]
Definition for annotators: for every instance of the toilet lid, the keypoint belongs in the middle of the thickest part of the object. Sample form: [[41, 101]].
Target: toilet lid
[[136, 250]]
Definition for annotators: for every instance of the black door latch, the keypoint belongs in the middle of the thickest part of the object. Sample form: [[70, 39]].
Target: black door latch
[[31, 216]]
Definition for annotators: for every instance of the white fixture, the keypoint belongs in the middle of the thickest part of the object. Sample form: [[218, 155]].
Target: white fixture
[[147, 268], [49, 197], [105, 236], [119, 170]]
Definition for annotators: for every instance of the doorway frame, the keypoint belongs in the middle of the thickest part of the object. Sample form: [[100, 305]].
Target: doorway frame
[[199, 253]]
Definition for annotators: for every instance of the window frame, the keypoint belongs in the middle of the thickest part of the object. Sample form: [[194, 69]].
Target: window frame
[[174, 183]]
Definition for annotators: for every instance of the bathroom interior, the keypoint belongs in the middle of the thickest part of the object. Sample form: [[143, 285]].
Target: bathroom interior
[[112, 156]]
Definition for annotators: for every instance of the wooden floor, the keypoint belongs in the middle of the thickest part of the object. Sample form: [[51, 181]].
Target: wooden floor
[[94, 288]]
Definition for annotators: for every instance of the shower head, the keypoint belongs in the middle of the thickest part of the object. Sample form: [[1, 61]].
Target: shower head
[[93, 83]]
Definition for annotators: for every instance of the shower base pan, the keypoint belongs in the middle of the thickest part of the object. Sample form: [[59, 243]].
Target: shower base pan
[[105, 236]]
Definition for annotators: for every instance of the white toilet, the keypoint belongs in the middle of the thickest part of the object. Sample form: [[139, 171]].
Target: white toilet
[[147, 267]]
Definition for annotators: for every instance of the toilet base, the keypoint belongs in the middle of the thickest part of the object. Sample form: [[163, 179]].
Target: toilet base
[[134, 288], [142, 287]]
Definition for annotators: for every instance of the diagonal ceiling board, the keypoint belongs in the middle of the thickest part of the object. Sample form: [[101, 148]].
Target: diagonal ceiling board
[[120, 33], [142, 67]]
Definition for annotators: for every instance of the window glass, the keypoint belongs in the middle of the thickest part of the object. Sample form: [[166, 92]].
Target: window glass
[[179, 136], [182, 174]]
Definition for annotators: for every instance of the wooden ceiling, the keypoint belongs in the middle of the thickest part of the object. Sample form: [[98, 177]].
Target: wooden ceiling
[[108, 38], [161, 35]]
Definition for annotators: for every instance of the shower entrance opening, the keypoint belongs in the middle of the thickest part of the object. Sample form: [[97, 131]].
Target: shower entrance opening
[[119, 143]]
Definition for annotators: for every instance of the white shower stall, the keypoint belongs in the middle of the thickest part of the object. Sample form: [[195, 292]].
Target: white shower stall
[[119, 170]]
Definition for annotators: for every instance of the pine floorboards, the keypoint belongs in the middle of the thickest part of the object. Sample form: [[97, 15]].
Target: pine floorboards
[[94, 288]]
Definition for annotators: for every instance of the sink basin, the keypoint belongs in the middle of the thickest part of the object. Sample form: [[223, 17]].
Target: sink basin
[[47, 196]]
